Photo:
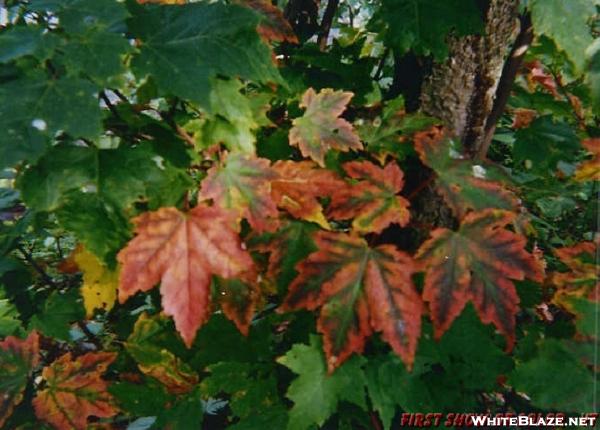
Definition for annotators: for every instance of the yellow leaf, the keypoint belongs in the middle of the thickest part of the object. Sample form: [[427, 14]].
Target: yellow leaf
[[99, 289]]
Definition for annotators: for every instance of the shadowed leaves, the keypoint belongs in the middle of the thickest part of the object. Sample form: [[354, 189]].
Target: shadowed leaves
[[182, 251], [372, 199], [359, 290], [321, 128], [75, 391], [477, 263]]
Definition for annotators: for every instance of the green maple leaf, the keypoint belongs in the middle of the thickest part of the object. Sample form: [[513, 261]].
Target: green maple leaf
[[423, 25], [184, 47], [566, 23], [315, 393], [40, 108]]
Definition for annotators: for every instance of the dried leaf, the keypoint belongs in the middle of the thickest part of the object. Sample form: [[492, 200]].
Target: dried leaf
[[320, 128], [372, 200], [359, 290], [298, 186], [75, 391], [243, 184], [18, 357], [182, 251], [477, 263]]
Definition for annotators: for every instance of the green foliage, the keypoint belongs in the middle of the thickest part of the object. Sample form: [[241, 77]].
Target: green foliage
[[296, 245]]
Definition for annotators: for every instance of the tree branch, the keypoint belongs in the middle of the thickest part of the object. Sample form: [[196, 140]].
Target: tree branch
[[507, 79], [326, 23], [27, 255]]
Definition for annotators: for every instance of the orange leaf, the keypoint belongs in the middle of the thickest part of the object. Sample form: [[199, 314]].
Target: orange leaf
[[590, 170], [182, 251], [18, 357], [359, 290], [243, 184], [320, 128], [299, 185], [372, 201], [477, 263], [75, 391]]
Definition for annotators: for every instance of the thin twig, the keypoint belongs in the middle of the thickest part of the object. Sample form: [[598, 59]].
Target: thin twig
[[27, 255], [109, 105], [379, 70], [421, 186], [507, 79], [326, 23]]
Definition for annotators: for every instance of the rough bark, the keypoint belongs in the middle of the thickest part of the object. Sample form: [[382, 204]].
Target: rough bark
[[461, 90]]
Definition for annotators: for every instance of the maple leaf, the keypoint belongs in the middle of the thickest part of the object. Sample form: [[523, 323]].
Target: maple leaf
[[75, 391], [359, 290], [182, 251], [581, 281], [99, 289], [274, 27], [298, 186], [463, 185], [590, 170], [156, 361], [320, 128], [372, 200], [238, 298], [18, 357], [477, 263], [243, 184]]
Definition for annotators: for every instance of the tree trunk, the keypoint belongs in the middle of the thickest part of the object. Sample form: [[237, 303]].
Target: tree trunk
[[461, 91]]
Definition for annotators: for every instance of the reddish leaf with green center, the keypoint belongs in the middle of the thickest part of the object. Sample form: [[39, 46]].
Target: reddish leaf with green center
[[182, 251], [18, 357], [243, 184], [75, 391], [477, 263], [299, 185], [463, 185], [372, 201], [360, 290], [320, 128]]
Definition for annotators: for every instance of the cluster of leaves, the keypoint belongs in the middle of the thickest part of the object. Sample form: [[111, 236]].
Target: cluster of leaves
[[266, 184]]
